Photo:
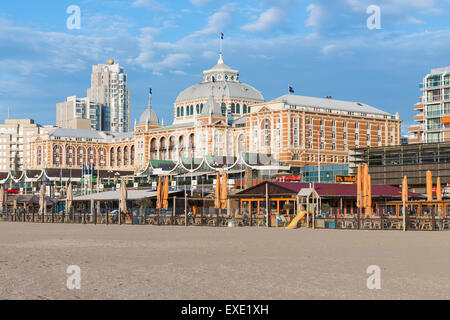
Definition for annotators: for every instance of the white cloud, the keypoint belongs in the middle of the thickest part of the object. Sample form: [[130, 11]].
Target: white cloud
[[151, 5], [217, 22], [270, 19], [200, 3]]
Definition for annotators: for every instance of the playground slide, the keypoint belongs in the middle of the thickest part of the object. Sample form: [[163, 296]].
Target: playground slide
[[294, 223]]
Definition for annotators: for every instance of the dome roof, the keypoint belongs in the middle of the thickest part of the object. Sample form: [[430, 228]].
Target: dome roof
[[149, 116], [222, 90], [224, 83]]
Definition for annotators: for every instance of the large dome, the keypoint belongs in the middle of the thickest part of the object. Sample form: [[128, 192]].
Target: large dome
[[223, 83], [149, 116]]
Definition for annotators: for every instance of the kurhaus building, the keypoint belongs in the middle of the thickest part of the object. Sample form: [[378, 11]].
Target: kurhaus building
[[224, 118]]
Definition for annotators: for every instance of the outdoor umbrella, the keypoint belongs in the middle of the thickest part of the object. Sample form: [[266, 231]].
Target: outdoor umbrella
[[224, 192], [42, 199], [369, 194], [2, 197], [123, 197], [217, 193], [438, 190], [159, 194], [69, 198], [429, 186], [165, 194], [365, 186], [405, 189], [359, 185]]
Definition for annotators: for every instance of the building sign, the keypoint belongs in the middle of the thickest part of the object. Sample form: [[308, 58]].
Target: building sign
[[345, 179]]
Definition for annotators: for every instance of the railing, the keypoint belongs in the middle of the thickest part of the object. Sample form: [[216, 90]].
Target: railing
[[381, 220]]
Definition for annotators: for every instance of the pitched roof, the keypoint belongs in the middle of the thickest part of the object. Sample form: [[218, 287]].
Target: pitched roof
[[333, 104]]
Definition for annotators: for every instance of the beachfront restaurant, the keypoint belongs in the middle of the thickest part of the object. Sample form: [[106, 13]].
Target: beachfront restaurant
[[327, 205]]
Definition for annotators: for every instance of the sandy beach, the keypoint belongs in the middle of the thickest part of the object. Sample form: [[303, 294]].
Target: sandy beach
[[145, 262]]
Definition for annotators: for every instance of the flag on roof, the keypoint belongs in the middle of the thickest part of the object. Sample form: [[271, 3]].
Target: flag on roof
[[291, 90], [221, 35]]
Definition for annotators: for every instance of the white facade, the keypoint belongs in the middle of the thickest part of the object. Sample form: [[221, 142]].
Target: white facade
[[15, 138]]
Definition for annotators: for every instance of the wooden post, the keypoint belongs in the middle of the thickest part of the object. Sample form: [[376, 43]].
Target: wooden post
[[433, 218], [92, 210], [404, 216], [174, 208], [186, 223], [267, 206], [44, 211], [250, 213], [98, 212], [107, 213], [217, 218]]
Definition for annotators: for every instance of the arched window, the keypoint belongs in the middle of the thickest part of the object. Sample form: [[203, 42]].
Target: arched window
[[224, 108], [125, 156], [192, 110], [248, 110], [238, 108], [70, 156], [112, 157], [132, 155], [39, 156], [81, 156], [91, 155], [187, 110], [57, 151], [201, 107], [233, 108], [197, 107], [265, 133], [101, 157], [178, 111], [181, 111]]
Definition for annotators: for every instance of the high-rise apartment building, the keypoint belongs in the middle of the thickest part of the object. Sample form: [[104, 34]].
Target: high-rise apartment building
[[434, 109], [109, 88], [80, 108], [15, 138]]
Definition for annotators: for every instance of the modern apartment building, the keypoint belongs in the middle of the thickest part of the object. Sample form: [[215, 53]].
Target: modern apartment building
[[434, 109], [109, 88], [79, 108], [15, 138]]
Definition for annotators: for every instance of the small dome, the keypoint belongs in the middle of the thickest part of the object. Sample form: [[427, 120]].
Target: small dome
[[149, 116], [224, 83], [110, 62]]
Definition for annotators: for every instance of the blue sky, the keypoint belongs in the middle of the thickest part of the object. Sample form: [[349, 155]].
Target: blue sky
[[320, 47]]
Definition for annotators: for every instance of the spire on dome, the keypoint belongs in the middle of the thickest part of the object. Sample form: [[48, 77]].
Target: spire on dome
[[220, 59]]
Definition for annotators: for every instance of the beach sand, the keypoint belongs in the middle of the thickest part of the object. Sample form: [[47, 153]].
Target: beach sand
[[147, 262]]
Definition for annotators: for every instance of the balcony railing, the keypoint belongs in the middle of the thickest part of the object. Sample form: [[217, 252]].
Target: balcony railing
[[434, 113], [435, 84], [445, 97], [434, 127]]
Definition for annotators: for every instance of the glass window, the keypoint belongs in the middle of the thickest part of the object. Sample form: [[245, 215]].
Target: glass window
[[233, 108], [224, 108], [238, 109]]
